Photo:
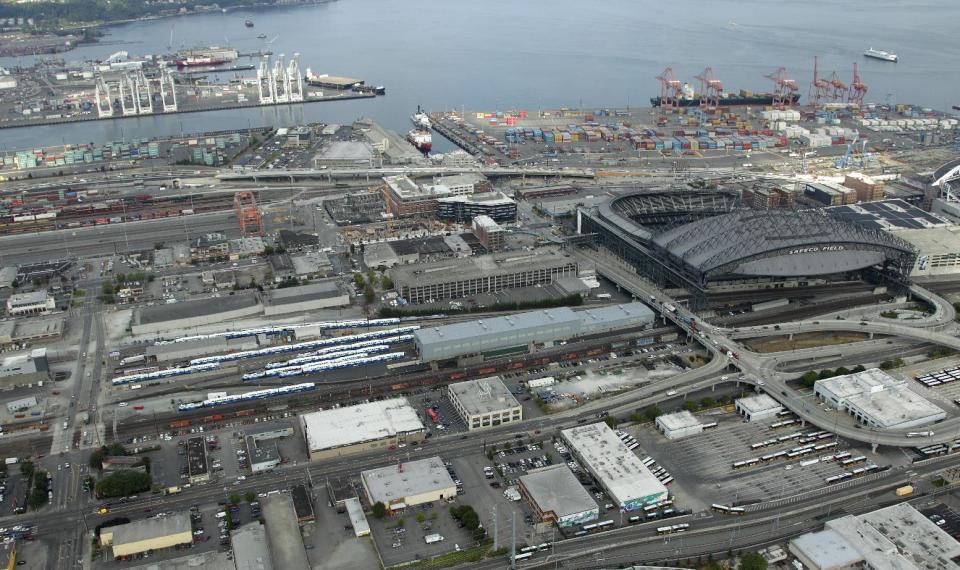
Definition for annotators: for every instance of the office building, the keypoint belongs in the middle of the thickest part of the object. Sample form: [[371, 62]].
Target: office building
[[484, 402], [489, 233], [495, 205]]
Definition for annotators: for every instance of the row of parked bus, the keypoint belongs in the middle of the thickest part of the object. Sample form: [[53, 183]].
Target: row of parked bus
[[857, 472], [723, 509]]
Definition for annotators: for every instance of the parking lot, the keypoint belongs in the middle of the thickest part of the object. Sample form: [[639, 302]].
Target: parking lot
[[400, 538], [944, 517], [702, 464]]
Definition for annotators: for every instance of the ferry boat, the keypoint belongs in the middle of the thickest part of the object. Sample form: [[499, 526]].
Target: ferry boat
[[881, 54], [420, 119]]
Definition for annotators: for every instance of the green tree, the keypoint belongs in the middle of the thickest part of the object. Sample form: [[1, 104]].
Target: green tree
[[752, 561], [690, 406], [386, 283], [26, 469], [707, 402], [368, 294], [421, 518], [843, 370], [116, 449], [826, 373], [250, 496], [96, 458], [358, 280], [234, 498], [379, 510], [124, 482], [652, 412], [612, 421]]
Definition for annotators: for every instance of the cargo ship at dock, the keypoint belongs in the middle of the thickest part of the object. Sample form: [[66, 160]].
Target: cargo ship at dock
[[205, 57], [731, 100]]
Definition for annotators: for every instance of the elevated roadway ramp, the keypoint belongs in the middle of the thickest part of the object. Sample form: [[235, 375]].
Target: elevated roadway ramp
[[375, 173]]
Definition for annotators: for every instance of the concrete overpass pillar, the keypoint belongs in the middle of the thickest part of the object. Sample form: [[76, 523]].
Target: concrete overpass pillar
[[871, 336], [874, 446], [790, 336]]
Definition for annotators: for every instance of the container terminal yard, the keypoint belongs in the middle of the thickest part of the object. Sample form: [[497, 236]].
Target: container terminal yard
[[278, 343]]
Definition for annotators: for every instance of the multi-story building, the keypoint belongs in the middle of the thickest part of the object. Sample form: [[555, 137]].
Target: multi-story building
[[495, 205], [466, 183], [867, 189], [456, 278], [489, 233], [404, 198], [763, 197], [210, 246], [485, 402]]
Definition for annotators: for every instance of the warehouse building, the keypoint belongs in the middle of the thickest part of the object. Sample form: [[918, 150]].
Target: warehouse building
[[619, 471], [147, 535], [878, 400], [250, 548], [283, 532], [24, 369], [311, 265], [522, 332], [354, 429], [187, 315], [757, 408], [197, 468], [312, 297], [182, 351], [938, 250], [30, 330], [898, 537], [8, 275], [558, 497], [358, 520], [380, 255], [408, 484], [457, 278], [495, 205], [679, 424], [33, 303], [21, 404], [346, 154], [485, 402]]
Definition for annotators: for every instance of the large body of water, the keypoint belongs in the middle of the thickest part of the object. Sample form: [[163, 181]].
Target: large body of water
[[503, 54]]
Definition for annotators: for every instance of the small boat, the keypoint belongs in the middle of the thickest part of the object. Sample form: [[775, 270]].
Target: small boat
[[881, 54], [262, 36], [248, 23]]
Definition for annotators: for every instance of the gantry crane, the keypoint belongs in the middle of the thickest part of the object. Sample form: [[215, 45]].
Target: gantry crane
[[837, 92], [819, 88], [858, 89], [785, 88], [711, 89], [671, 89]]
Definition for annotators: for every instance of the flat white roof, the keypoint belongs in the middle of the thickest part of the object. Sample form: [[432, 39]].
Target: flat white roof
[[827, 549], [619, 469], [898, 538], [678, 420], [484, 395], [394, 483], [556, 488], [759, 403], [886, 401], [357, 519], [357, 424]]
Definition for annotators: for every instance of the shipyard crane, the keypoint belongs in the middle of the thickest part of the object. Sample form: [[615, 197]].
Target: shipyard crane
[[844, 161], [711, 89], [784, 90], [819, 88], [671, 89], [838, 90], [858, 89]]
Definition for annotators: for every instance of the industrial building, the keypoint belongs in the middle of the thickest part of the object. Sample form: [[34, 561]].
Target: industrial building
[[489, 233], [8, 276], [30, 330], [702, 241], [358, 520], [149, 534], [33, 303], [757, 408], [829, 193], [938, 250], [346, 154], [312, 297], [182, 351], [21, 404], [679, 424], [197, 468], [380, 255], [302, 504], [186, 315], [484, 402], [262, 456], [457, 278], [408, 484], [311, 265], [465, 183], [878, 400], [558, 497], [24, 369], [283, 532], [495, 205], [250, 548], [354, 429], [893, 538], [619, 471], [522, 332]]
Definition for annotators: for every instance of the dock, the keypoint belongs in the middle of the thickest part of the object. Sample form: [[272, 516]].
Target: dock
[[205, 70], [451, 135]]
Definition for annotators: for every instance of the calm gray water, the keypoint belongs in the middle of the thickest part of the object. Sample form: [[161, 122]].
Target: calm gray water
[[501, 54]]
